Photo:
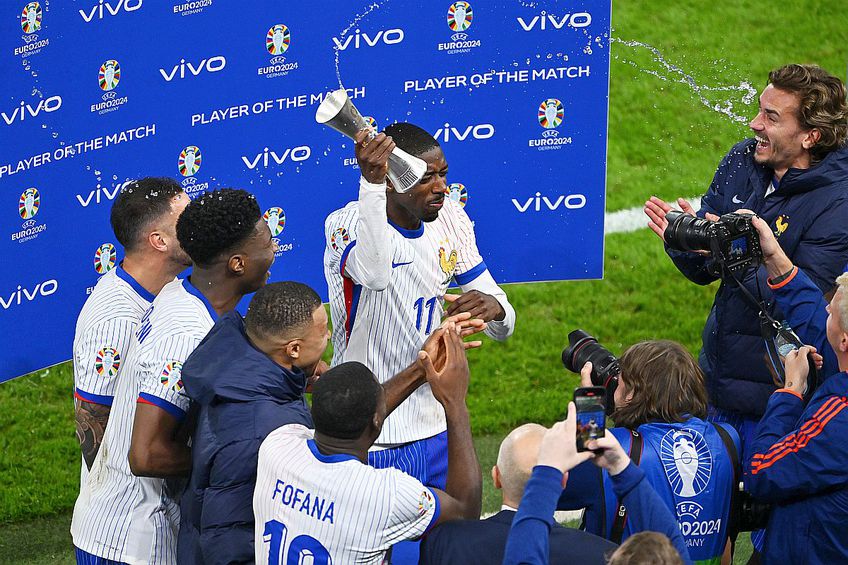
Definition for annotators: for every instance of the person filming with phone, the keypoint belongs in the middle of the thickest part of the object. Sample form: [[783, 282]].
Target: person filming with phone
[[656, 395]]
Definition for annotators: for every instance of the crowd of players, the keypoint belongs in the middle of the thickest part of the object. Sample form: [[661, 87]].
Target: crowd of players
[[198, 445]]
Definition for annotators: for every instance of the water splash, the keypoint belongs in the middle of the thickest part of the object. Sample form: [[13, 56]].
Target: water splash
[[373, 6], [673, 73]]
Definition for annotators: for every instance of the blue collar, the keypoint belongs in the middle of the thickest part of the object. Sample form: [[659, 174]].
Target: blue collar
[[127, 278], [338, 458], [191, 289], [409, 234]]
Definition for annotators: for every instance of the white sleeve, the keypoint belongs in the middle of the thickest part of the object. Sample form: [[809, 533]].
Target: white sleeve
[[368, 260], [499, 330], [415, 510], [161, 382], [97, 359]]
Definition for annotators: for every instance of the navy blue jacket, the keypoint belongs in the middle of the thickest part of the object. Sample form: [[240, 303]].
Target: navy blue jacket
[[809, 214], [239, 396], [484, 541], [799, 463], [529, 536]]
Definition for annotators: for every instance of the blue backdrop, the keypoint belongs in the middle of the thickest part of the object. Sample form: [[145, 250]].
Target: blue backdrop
[[223, 94]]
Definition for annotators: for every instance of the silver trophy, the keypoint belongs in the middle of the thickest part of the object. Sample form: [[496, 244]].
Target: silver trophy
[[338, 112]]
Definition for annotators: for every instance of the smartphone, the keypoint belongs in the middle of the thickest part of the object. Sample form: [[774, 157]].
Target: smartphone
[[591, 414]]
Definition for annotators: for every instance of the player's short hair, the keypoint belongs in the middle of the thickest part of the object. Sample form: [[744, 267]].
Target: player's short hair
[[411, 138], [217, 222], [279, 308], [139, 204], [822, 103], [344, 400], [666, 382]]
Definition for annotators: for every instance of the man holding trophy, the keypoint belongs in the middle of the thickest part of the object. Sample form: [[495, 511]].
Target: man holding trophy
[[389, 259]]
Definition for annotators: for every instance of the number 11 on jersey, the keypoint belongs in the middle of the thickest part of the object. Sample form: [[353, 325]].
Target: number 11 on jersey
[[420, 305]]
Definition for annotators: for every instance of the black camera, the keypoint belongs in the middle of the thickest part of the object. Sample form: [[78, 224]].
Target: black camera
[[581, 348], [732, 240], [751, 514]]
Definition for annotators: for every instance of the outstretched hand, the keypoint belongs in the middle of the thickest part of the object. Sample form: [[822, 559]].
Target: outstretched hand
[[478, 304]]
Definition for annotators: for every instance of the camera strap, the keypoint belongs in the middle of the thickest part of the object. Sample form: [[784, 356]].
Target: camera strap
[[732, 526], [621, 512]]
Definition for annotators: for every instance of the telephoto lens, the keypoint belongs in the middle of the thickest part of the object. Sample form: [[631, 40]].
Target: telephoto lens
[[686, 232], [581, 348]]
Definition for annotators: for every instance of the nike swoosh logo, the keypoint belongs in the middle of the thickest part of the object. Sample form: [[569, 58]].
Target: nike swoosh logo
[[395, 265], [736, 200]]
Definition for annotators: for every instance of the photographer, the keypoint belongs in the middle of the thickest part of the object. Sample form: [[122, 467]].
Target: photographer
[[799, 458], [558, 459], [792, 173], [660, 407]]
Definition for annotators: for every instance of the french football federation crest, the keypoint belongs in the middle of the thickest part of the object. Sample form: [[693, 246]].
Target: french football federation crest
[[447, 260], [780, 225]]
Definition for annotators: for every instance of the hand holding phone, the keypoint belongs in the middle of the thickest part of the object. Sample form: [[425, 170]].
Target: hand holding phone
[[591, 414]]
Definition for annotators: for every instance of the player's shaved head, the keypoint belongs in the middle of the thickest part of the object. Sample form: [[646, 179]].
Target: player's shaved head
[[516, 458], [411, 138], [344, 400]]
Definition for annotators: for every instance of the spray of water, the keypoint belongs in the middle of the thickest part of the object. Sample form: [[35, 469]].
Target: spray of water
[[371, 7], [672, 73]]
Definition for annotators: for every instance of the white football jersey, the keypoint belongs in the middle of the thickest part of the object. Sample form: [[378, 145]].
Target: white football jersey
[[385, 329], [332, 508], [120, 516]]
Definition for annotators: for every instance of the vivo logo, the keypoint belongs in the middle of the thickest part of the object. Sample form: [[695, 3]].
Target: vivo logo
[[20, 113], [300, 153], [98, 9], [359, 39], [571, 201], [100, 194], [480, 131], [549, 21], [45, 288], [212, 65]]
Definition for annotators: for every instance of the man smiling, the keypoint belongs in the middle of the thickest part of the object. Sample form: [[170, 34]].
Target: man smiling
[[794, 174]]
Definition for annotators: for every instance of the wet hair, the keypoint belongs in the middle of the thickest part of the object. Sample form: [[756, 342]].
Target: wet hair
[[279, 308], [822, 106], [411, 138], [666, 382], [139, 204], [344, 400], [217, 222], [646, 548]]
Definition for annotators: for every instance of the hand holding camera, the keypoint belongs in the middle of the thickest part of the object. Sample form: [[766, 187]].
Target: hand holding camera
[[558, 448]]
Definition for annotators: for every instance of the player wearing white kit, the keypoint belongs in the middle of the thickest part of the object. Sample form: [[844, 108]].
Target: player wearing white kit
[[143, 219], [317, 496], [389, 260], [133, 519]]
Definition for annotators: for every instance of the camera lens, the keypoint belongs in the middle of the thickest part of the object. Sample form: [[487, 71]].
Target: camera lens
[[581, 348], [686, 232]]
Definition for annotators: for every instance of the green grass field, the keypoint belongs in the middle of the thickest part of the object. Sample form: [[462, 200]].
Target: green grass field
[[662, 140]]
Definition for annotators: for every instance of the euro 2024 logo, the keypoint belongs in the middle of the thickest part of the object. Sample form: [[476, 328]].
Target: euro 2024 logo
[[339, 239], [190, 160], [31, 18], [276, 219], [550, 116], [109, 75], [277, 42], [171, 376], [105, 258], [29, 203], [458, 193], [107, 362], [687, 461], [459, 18], [28, 206]]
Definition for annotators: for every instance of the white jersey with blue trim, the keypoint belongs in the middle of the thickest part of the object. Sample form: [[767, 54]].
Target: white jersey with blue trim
[[104, 331], [119, 516], [333, 508], [385, 329]]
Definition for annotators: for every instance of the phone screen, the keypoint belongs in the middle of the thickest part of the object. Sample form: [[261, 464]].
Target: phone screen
[[591, 414]]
